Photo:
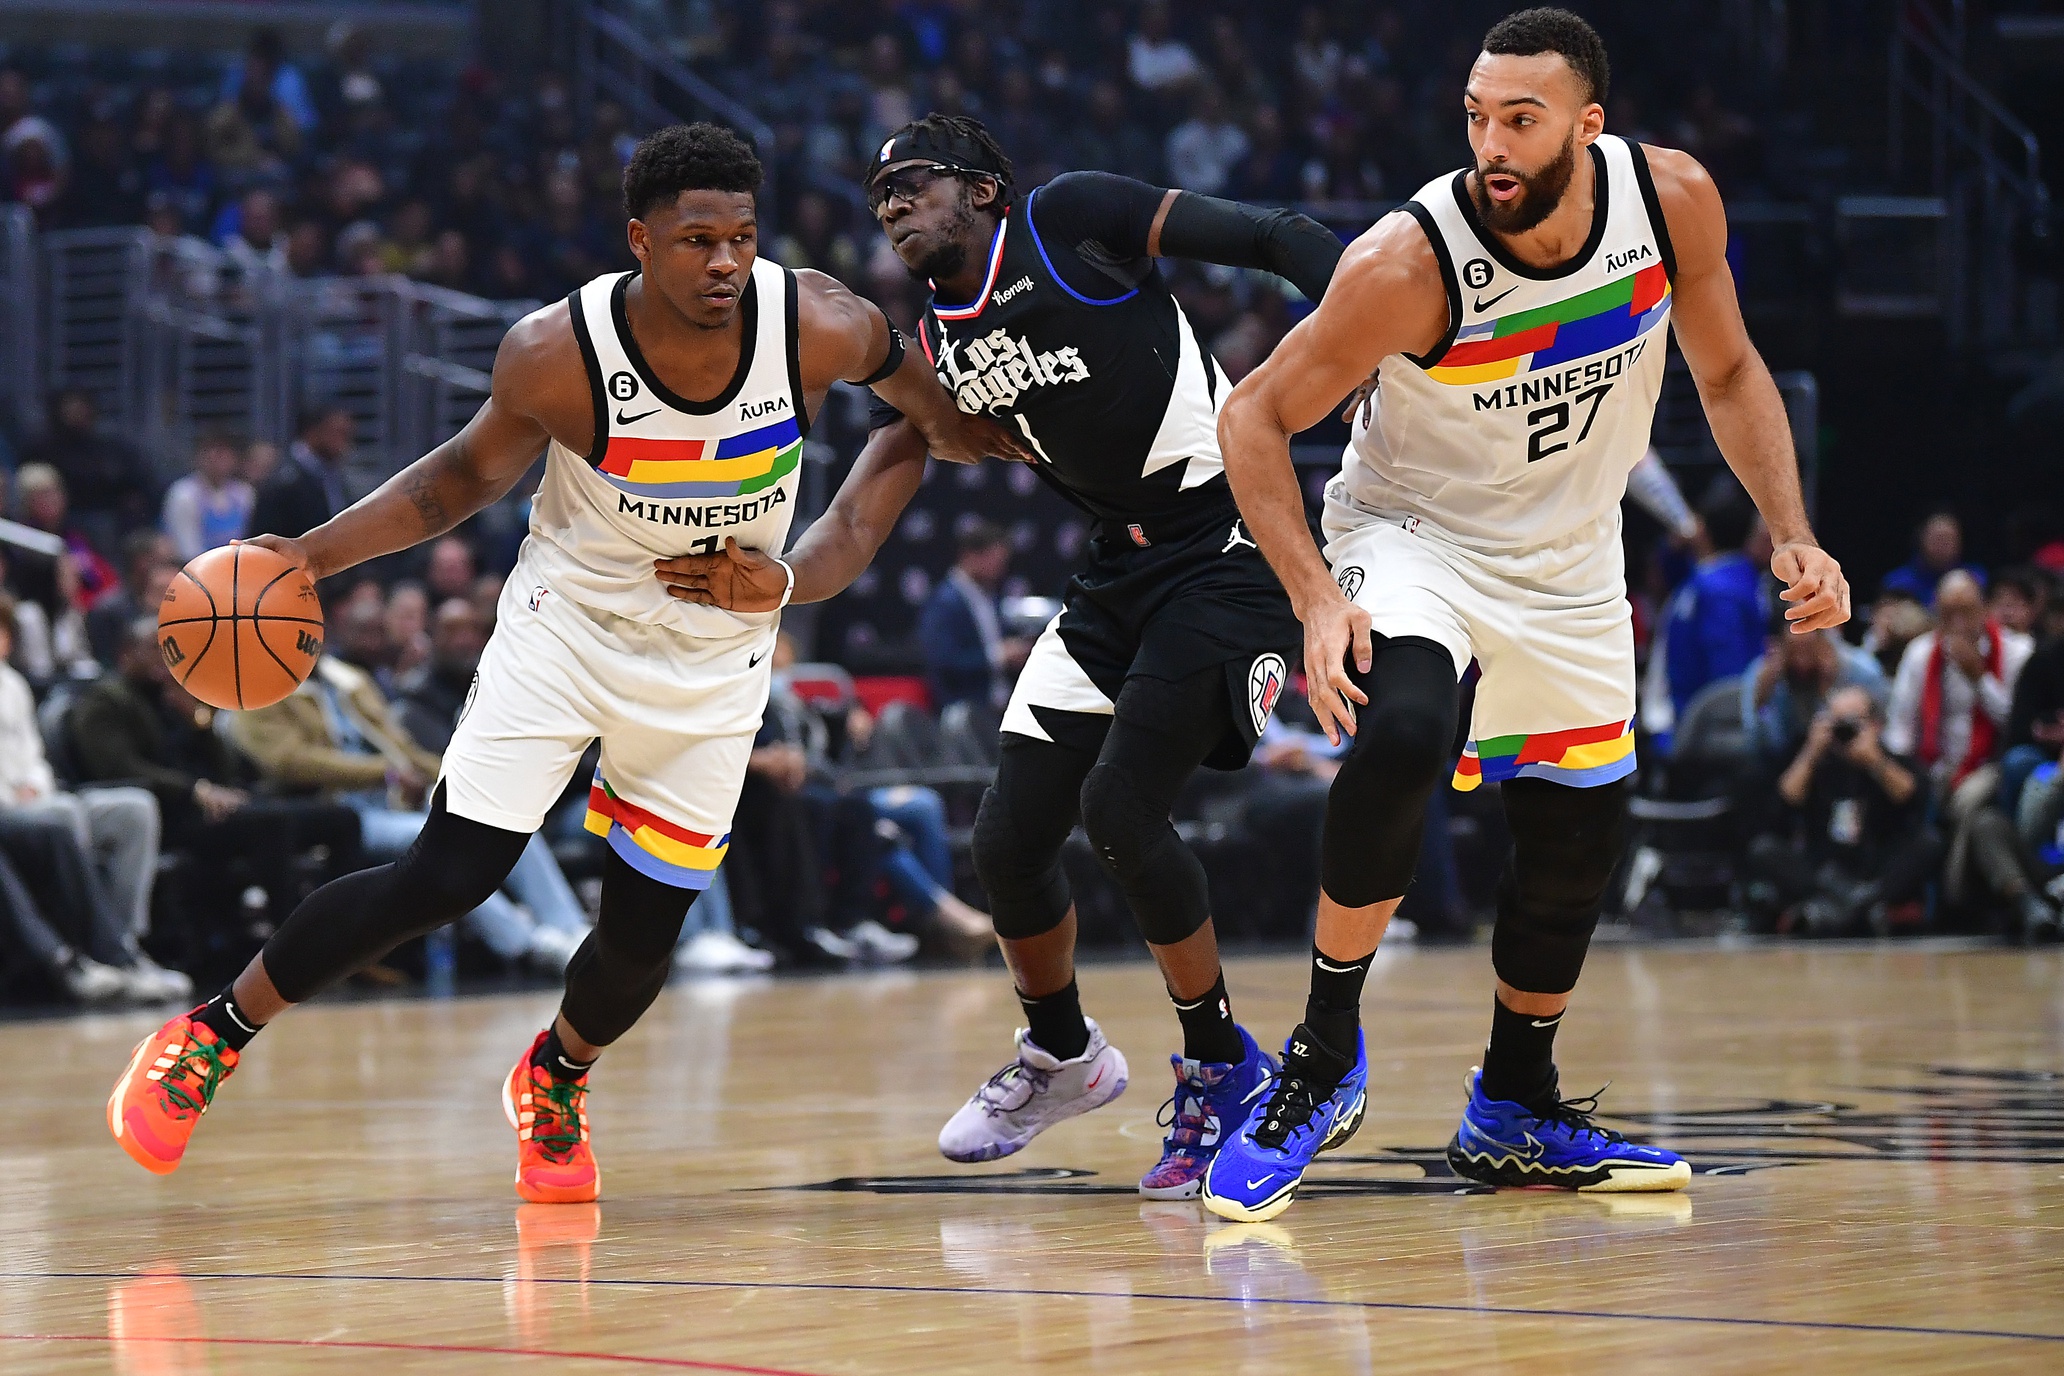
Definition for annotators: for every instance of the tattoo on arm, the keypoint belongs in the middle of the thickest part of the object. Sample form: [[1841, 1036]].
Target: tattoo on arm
[[429, 504]]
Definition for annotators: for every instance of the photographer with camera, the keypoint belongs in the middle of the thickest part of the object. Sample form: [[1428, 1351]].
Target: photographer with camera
[[1851, 847]]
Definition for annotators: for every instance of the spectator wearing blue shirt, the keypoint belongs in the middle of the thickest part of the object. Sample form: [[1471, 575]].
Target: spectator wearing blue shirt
[[967, 656], [1938, 550], [1716, 624]]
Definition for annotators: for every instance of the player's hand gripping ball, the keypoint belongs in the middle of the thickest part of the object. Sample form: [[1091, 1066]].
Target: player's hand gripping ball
[[240, 627]]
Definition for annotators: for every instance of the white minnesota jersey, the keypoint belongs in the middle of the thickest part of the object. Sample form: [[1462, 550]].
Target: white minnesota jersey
[[669, 476], [1522, 424]]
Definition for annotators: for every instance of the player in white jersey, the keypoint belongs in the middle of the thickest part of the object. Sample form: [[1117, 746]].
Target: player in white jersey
[[1514, 317], [671, 404]]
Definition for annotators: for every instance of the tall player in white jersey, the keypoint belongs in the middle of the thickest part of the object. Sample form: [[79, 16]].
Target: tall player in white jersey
[[1514, 316], [671, 404]]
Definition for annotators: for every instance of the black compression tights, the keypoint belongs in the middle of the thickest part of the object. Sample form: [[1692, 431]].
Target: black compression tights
[[1123, 794], [451, 868]]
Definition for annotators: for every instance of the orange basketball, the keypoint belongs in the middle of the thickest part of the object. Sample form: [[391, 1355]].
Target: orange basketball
[[240, 627]]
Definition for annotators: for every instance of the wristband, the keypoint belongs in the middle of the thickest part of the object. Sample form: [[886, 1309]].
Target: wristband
[[788, 591]]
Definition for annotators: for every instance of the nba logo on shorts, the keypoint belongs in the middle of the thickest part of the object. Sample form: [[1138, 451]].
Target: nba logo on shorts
[[1139, 536], [1411, 524], [537, 596], [1350, 580], [1264, 685]]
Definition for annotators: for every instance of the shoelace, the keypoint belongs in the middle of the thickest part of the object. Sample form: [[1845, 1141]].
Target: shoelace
[[1184, 1129], [1576, 1115], [996, 1091], [556, 1129], [191, 1080], [1290, 1106]]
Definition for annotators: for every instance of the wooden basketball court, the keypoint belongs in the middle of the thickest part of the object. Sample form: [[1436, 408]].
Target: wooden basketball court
[[1879, 1134]]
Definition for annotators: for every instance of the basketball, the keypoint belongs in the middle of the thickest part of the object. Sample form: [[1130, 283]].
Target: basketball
[[240, 627]]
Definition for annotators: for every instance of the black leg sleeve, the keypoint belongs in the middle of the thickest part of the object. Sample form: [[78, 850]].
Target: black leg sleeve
[[1565, 843], [621, 967], [1025, 818], [1162, 732], [1402, 751], [450, 869]]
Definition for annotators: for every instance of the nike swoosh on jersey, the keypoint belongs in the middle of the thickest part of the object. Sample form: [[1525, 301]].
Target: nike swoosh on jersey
[[1483, 305], [622, 419]]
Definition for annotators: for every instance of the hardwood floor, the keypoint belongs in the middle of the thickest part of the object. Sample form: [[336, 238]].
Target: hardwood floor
[[1879, 1133]]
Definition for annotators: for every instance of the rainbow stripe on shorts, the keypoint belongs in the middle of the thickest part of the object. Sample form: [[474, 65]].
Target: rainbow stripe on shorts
[[653, 846], [1582, 758], [735, 467]]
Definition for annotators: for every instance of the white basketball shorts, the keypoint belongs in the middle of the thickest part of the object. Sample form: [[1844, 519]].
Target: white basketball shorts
[[1550, 626], [676, 716]]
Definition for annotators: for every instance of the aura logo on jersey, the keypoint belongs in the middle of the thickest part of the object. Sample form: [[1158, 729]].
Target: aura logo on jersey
[[991, 373], [1265, 679]]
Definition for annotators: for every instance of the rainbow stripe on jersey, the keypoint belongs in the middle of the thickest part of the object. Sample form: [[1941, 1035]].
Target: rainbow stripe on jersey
[[1582, 758], [653, 846], [1591, 322], [734, 467]]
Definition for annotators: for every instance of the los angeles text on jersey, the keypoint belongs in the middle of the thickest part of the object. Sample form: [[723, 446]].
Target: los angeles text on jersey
[[701, 515], [1572, 379], [1001, 369]]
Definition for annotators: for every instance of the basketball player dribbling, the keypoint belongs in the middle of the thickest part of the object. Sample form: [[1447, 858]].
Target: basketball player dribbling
[[1515, 317], [671, 404]]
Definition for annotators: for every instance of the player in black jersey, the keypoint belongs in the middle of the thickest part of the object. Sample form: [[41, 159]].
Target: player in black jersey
[[1049, 314]]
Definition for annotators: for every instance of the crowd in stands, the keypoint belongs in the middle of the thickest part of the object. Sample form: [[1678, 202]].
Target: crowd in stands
[[1902, 778], [1907, 778]]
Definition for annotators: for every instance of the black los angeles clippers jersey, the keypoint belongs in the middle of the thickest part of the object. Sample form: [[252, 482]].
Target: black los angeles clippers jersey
[[1089, 355]]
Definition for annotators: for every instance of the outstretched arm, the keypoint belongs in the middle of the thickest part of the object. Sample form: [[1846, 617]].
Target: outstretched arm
[[1385, 299], [1123, 219], [831, 553], [846, 338], [538, 371], [1742, 401]]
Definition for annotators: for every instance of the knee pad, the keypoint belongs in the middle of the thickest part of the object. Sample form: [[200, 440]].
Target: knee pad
[[1028, 895], [1403, 739], [1163, 881], [1566, 842]]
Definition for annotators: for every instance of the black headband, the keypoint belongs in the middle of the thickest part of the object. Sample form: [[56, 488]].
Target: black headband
[[946, 147]]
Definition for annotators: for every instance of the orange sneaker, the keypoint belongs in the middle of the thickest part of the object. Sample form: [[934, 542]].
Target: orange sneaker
[[553, 1162], [169, 1084]]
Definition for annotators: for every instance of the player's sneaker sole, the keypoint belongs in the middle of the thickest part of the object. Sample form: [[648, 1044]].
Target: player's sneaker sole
[[1512, 1172]]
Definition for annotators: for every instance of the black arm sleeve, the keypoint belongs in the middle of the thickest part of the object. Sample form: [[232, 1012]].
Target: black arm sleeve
[[1294, 247], [1109, 219]]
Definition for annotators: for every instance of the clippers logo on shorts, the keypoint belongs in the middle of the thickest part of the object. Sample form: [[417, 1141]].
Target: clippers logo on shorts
[[1265, 679], [1350, 580]]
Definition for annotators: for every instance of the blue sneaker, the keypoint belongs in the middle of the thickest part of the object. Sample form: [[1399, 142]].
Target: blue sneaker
[[1211, 1100], [1503, 1143], [1255, 1174]]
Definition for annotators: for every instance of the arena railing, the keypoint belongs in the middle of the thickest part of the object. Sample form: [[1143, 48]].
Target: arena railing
[[175, 336]]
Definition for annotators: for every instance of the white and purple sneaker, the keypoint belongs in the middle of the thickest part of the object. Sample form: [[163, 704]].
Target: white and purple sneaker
[[1030, 1095]]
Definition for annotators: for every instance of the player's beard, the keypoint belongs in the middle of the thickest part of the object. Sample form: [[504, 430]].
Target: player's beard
[[1540, 192], [949, 255]]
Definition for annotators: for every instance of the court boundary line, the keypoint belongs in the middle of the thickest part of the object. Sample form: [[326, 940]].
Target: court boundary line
[[453, 1349], [1035, 1292]]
